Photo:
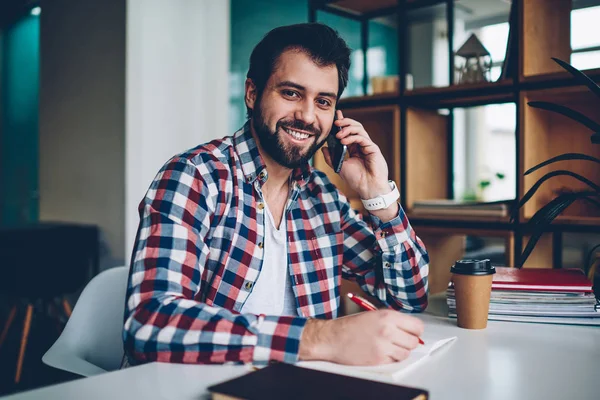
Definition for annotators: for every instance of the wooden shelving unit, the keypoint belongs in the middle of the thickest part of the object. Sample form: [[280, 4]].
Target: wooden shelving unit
[[416, 136], [546, 135]]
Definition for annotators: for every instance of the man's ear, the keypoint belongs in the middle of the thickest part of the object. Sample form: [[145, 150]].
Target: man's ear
[[250, 94]]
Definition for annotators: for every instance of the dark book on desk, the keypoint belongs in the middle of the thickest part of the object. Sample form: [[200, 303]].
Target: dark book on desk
[[285, 381]]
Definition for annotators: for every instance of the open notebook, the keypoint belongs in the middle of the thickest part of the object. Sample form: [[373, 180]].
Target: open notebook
[[418, 356]]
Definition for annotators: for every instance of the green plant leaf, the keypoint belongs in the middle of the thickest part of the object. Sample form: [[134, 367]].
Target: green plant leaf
[[541, 219], [563, 157], [500, 175], [579, 76], [594, 202], [588, 259], [484, 184], [545, 215], [567, 112], [543, 179], [552, 207]]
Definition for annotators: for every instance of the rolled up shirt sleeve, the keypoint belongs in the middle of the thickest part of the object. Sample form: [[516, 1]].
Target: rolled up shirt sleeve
[[388, 260], [165, 319]]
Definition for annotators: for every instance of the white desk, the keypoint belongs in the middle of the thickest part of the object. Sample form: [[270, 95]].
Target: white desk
[[505, 361]]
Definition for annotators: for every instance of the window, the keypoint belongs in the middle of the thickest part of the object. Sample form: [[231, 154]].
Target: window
[[585, 44]]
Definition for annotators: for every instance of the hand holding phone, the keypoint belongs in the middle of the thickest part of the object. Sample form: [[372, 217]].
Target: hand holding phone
[[337, 150]]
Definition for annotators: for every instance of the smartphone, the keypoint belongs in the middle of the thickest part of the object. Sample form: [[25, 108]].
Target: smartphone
[[337, 150]]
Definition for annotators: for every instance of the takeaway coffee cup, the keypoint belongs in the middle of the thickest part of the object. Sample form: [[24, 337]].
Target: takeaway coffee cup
[[472, 287]]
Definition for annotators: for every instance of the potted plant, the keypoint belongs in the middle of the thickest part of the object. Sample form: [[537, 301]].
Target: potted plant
[[540, 221]]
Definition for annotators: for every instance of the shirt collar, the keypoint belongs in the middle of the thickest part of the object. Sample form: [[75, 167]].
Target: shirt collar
[[253, 165]]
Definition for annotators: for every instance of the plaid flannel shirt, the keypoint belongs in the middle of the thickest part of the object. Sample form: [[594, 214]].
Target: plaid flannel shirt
[[199, 251]]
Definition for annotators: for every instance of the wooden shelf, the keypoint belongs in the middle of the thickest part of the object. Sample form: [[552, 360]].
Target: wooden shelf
[[544, 135], [543, 31], [360, 7], [505, 84], [561, 77], [462, 224], [458, 218], [575, 220], [373, 100], [462, 95]]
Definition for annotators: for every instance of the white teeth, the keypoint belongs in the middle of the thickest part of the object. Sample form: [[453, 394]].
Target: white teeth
[[297, 135]]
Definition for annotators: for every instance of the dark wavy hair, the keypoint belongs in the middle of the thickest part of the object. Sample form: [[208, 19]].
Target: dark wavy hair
[[321, 43]]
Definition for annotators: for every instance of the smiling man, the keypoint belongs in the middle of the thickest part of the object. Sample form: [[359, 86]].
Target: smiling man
[[242, 245]]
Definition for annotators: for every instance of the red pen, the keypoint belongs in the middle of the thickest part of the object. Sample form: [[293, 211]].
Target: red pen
[[367, 306]]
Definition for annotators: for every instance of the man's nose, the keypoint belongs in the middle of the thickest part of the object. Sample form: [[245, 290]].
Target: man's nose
[[306, 112]]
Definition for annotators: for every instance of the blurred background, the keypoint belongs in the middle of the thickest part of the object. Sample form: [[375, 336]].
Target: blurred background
[[96, 95]]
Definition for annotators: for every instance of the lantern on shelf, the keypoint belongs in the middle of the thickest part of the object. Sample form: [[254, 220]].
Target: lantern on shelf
[[475, 62]]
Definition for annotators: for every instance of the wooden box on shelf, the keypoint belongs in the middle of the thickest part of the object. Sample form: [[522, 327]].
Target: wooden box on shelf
[[545, 32], [426, 155], [541, 256], [544, 135], [446, 245]]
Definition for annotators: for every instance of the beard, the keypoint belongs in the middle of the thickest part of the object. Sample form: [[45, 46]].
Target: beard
[[287, 155]]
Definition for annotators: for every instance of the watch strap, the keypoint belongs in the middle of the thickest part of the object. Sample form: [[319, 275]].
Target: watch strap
[[382, 201]]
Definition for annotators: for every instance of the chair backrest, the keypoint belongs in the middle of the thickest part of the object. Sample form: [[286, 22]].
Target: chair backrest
[[91, 342]]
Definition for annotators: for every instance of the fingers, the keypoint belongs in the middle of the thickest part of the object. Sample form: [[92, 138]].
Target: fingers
[[365, 143], [405, 340], [399, 337], [399, 354], [394, 353], [404, 322], [349, 127], [409, 324]]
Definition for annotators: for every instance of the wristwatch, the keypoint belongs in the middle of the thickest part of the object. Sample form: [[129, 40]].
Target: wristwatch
[[383, 201]]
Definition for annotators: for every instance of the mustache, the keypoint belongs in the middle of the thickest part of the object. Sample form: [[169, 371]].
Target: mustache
[[299, 125]]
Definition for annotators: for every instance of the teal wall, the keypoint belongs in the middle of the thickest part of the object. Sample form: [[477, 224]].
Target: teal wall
[[252, 19], [19, 121]]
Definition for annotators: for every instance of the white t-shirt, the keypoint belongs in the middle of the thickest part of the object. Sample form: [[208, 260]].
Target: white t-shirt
[[272, 293]]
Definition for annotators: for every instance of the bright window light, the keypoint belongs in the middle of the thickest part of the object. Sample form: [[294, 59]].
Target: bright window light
[[35, 11]]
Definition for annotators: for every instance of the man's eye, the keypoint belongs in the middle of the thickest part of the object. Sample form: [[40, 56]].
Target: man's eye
[[290, 93], [324, 102]]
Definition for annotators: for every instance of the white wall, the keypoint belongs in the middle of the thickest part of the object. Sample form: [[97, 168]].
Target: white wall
[[177, 78], [82, 115], [125, 85]]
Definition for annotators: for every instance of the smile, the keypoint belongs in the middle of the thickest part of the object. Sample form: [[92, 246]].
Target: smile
[[296, 135]]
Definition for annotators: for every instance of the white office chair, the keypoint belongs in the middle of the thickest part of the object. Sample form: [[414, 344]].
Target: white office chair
[[91, 342]]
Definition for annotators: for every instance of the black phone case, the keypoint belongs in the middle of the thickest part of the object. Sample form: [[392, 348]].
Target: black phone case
[[336, 149]]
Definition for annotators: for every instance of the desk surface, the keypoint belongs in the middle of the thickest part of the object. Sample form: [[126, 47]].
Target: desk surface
[[508, 360]]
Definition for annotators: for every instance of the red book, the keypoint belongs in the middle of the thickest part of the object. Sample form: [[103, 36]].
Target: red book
[[548, 280]]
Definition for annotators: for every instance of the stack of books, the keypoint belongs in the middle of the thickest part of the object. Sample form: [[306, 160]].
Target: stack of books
[[462, 208], [556, 296]]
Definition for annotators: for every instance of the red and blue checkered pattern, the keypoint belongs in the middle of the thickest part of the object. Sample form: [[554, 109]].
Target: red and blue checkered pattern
[[199, 251]]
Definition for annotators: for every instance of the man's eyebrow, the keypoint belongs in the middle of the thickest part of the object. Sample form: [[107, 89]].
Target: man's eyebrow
[[300, 87]]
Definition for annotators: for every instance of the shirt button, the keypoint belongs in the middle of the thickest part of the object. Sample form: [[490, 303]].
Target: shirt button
[[383, 233], [261, 206], [260, 245], [248, 285], [388, 265], [262, 175]]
